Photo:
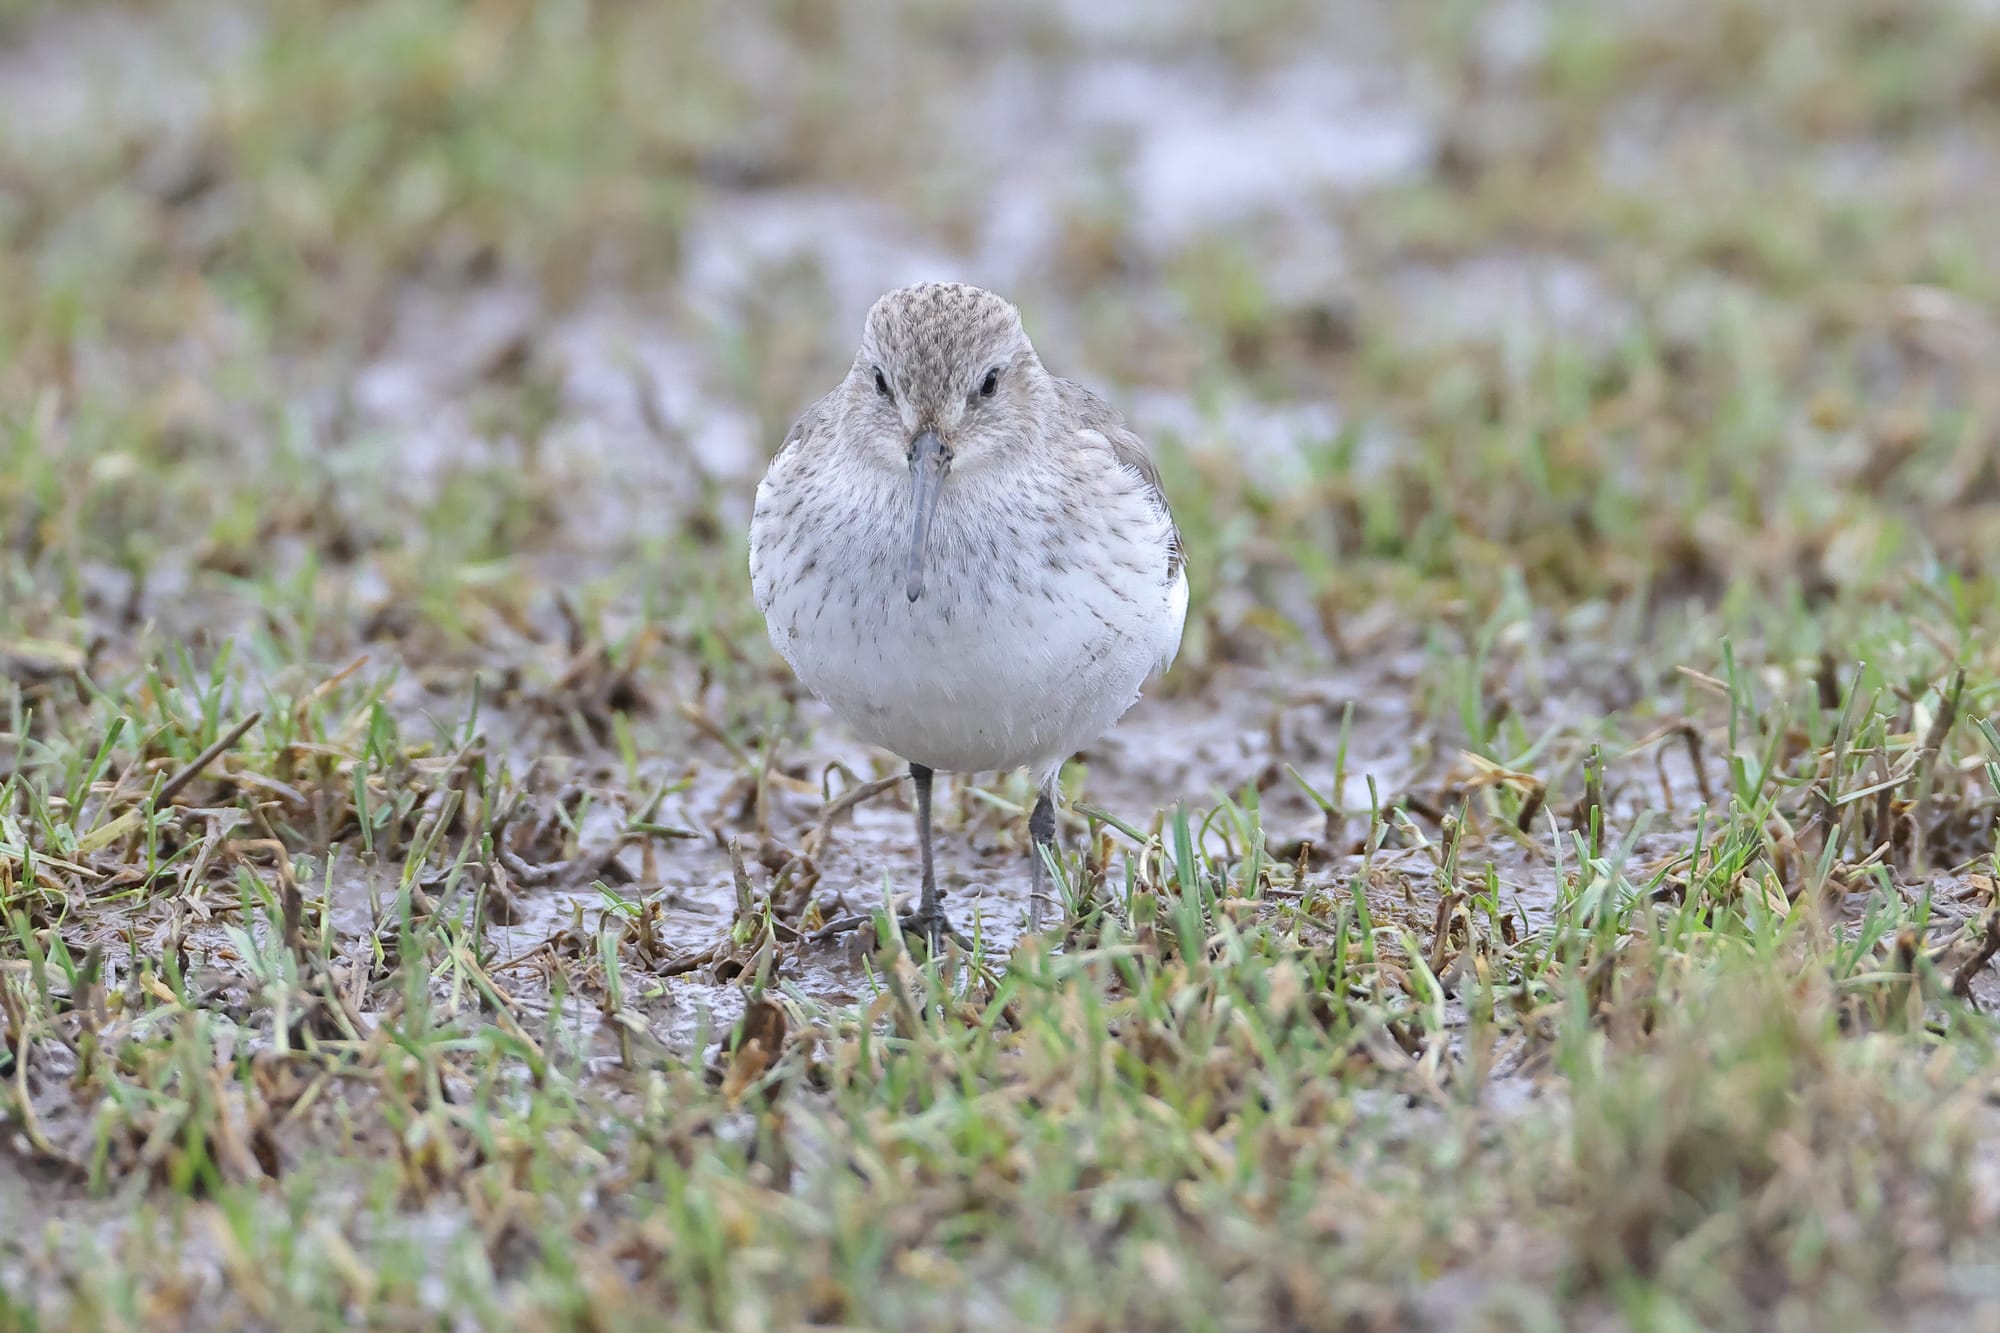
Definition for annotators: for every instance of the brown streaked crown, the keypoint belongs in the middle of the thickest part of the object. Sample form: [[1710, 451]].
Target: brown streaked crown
[[932, 336]]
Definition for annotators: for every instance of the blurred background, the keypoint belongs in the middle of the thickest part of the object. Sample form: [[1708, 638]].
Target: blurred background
[[404, 312]]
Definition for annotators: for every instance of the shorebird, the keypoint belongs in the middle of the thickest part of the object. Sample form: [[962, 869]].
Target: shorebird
[[968, 559]]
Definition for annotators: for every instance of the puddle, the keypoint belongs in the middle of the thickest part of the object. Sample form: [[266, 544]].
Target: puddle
[[1239, 734], [1512, 35], [1206, 152], [856, 247], [1274, 442], [80, 75], [626, 377], [1513, 298]]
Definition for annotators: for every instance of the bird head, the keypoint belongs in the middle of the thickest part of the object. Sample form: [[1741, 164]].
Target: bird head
[[945, 383]]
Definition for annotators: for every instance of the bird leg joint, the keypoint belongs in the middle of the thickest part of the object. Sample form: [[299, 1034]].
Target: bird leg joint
[[1042, 821]]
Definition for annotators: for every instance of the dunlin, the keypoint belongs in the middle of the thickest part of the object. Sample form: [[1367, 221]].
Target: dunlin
[[970, 560]]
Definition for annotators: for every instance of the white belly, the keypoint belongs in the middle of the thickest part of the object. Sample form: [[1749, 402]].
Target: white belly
[[1022, 649]]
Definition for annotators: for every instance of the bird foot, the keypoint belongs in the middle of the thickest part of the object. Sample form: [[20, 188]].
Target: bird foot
[[933, 927]]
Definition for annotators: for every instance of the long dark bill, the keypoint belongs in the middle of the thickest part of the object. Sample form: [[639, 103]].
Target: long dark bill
[[929, 461]]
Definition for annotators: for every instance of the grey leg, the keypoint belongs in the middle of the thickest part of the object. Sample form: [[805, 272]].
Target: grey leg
[[1042, 832], [929, 910], [929, 919]]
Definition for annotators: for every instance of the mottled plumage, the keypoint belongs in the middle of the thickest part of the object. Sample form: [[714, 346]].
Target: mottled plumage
[[970, 560]]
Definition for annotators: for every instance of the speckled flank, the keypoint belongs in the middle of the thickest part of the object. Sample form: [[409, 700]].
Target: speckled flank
[[1055, 583]]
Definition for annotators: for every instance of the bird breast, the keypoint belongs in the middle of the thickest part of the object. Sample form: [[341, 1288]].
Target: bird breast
[[1046, 605]]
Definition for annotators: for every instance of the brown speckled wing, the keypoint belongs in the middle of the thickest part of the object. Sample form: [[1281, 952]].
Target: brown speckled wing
[[1093, 413], [811, 422]]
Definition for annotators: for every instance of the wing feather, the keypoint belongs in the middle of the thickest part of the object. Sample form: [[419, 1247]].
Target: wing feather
[[1092, 413]]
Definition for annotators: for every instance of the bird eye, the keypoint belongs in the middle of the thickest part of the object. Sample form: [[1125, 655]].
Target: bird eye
[[990, 385], [882, 383]]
